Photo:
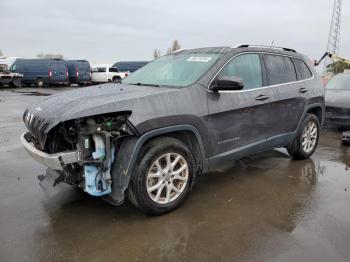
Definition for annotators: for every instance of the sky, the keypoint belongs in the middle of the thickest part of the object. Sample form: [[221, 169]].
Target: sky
[[106, 31]]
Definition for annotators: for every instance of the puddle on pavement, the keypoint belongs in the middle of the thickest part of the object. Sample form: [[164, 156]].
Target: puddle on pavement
[[236, 207]]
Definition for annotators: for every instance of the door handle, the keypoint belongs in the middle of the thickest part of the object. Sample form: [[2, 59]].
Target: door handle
[[261, 97], [303, 90]]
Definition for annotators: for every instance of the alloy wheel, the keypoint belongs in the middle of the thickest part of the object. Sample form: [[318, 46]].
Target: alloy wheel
[[167, 178]]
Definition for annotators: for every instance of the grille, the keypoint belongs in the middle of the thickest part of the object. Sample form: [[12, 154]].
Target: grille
[[36, 126]]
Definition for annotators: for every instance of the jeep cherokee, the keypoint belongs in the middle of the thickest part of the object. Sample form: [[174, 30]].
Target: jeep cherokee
[[147, 138]]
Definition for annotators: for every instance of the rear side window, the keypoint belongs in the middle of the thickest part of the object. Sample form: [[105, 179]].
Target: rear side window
[[113, 69], [279, 69], [99, 70], [247, 67], [303, 70]]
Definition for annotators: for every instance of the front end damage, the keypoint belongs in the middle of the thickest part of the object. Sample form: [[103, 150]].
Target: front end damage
[[81, 152]]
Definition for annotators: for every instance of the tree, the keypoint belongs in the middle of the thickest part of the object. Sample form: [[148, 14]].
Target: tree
[[337, 67], [156, 53], [175, 46], [49, 56]]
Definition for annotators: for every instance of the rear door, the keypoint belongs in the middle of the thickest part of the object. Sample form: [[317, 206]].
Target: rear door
[[240, 119], [55, 71], [84, 71], [290, 103]]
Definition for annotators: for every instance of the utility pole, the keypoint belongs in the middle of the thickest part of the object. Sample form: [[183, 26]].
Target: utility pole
[[334, 32]]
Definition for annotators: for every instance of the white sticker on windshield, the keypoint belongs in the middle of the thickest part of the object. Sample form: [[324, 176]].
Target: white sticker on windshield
[[204, 59]]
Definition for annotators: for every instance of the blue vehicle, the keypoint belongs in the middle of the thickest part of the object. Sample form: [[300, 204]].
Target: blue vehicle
[[42, 72], [129, 66], [79, 72]]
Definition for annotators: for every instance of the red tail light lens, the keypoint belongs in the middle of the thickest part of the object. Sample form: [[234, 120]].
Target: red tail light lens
[[50, 73], [126, 74], [77, 73]]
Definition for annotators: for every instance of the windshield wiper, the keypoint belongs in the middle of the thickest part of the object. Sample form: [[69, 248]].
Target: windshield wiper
[[142, 84]]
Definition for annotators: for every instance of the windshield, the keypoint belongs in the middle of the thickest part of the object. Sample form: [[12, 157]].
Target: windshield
[[177, 70], [341, 81]]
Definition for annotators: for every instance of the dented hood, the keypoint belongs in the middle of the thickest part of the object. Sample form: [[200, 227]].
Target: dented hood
[[41, 117]]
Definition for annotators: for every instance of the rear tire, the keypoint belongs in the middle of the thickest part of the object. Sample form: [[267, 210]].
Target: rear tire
[[306, 140], [117, 79], [162, 178], [40, 82]]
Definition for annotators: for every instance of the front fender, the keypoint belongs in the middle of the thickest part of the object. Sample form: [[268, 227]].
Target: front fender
[[127, 155]]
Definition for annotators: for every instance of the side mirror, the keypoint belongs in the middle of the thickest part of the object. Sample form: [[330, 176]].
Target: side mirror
[[228, 83]]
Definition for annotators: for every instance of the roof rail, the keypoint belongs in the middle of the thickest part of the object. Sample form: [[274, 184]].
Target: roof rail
[[178, 50], [266, 46]]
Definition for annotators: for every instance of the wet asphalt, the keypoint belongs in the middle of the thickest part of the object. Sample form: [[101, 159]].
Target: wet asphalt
[[263, 208]]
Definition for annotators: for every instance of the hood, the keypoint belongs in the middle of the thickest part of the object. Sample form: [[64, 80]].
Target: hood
[[338, 98], [41, 117]]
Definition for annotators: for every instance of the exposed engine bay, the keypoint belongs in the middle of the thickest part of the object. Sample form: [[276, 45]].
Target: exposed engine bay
[[96, 141]]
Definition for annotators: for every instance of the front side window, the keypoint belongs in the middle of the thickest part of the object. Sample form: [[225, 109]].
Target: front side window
[[176, 70], [247, 67], [279, 69], [99, 70]]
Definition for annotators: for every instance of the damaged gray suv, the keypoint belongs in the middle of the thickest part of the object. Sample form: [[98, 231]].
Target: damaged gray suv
[[147, 138]]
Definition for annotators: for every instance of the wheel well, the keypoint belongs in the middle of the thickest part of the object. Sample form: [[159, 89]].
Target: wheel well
[[317, 111], [191, 141]]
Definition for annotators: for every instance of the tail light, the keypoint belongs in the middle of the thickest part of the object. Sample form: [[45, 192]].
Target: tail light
[[126, 74], [77, 73], [67, 74], [50, 73]]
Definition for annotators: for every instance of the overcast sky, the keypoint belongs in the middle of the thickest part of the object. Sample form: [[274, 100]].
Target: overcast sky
[[105, 31]]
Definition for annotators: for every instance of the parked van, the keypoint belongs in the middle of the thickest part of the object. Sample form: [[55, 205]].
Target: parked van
[[129, 66], [106, 73], [79, 72], [42, 72]]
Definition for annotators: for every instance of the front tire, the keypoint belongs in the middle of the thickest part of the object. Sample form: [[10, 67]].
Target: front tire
[[162, 178], [306, 140]]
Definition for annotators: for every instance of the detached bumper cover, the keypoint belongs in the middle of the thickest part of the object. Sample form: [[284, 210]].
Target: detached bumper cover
[[54, 161]]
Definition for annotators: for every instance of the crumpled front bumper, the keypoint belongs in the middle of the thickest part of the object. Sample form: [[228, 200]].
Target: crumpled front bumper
[[54, 161]]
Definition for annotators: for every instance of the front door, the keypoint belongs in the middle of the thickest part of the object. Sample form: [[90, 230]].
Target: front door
[[241, 119]]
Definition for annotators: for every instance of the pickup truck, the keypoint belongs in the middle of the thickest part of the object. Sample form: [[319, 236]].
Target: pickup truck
[[9, 78]]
